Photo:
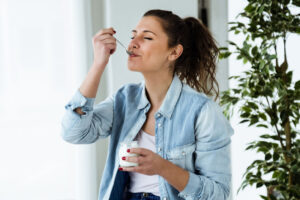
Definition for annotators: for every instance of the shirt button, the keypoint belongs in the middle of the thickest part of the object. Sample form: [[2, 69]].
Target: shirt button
[[159, 125], [159, 149], [183, 153], [165, 198], [158, 115]]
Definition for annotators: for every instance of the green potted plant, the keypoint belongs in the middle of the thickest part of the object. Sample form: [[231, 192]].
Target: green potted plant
[[266, 96]]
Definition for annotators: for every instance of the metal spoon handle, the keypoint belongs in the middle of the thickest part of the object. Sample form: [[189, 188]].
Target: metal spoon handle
[[121, 43], [128, 52]]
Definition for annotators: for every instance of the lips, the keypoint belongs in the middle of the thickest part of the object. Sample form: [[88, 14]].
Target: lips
[[134, 55]]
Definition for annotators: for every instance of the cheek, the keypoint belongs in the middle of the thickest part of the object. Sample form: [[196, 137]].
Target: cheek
[[156, 56]]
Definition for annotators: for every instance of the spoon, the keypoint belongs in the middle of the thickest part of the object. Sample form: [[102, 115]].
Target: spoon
[[128, 52]]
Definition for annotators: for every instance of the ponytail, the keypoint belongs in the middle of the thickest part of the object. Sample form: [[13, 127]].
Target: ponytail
[[197, 64]]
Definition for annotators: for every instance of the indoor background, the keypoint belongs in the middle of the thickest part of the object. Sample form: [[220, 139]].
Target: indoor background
[[45, 52]]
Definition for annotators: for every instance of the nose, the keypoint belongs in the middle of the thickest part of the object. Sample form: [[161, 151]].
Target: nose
[[133, 44]]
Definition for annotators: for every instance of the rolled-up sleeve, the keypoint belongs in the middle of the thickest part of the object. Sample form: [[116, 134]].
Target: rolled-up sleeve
[[87, 128], [212, 178]]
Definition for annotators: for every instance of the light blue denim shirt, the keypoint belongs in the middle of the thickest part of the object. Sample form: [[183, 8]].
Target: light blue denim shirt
[[190, 131]]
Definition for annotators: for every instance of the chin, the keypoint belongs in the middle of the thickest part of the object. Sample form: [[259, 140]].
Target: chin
[[133, 67]]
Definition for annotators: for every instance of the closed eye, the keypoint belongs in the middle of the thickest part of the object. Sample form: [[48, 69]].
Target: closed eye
[[147, 38]]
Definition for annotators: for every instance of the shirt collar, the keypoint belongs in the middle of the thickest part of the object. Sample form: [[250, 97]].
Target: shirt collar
[[170, 99], [143, 100]]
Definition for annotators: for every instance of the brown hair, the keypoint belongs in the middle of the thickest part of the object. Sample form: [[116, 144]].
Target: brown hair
[[197, 64]]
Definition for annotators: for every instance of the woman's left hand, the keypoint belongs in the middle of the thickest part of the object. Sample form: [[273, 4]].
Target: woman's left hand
[[149, 163]]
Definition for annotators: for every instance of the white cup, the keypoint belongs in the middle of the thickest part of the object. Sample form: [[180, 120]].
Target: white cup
[[123, 152]]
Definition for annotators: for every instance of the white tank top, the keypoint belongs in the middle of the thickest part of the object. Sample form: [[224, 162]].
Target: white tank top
[[140, 182]]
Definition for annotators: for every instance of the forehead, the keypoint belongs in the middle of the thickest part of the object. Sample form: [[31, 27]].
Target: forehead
[[149, 23]]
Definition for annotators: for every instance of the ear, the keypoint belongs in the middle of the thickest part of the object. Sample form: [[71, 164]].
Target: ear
[[175, 52]]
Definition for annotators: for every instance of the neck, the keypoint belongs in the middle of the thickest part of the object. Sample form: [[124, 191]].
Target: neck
[[157, 87]]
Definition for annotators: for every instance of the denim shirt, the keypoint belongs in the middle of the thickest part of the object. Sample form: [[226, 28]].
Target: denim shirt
[[190, 131]]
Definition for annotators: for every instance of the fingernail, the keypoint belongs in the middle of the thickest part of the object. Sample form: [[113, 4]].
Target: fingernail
[[123, 158], [120, 168], [128, 150], [114, 31]]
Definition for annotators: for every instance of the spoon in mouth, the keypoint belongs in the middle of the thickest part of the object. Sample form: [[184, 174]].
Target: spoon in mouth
[[128, 52]]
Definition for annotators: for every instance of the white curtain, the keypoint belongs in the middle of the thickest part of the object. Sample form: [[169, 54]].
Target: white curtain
[[45, 50]]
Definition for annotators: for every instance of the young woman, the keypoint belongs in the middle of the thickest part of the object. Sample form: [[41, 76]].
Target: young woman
[[183, 136]]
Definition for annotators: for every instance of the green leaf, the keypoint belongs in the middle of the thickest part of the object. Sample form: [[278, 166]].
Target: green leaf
[[248, 8], [268, 156], [259, 184], [262, 125], [296, 3], [246, 109], [264, 197], [250, 147], [261, 9], [297, 85], [245, 115], [275, 156], [275, 174], [223, 48], [262, 116], [266, 136], [252, 105], [263, 149], [253, 120], [243, 121]]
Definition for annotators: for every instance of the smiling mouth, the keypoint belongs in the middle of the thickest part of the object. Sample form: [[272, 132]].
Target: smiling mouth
[[133, 55]]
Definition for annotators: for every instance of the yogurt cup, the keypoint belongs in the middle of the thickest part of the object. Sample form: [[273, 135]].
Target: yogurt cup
[[123, 152]]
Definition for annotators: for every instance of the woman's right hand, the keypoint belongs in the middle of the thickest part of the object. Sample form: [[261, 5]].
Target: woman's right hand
[[104, 45]]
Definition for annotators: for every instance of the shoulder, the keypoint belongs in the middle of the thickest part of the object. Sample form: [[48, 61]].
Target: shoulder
[[129, 92], [193, 97], [130, 87]]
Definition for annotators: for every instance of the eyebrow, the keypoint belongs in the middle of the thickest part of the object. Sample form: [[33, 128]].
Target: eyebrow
[[145, 31]]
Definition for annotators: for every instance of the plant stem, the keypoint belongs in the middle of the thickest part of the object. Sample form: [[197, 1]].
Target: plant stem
[[287, 130], [287, 125], [275, 47], [278, 133], [284, 45]]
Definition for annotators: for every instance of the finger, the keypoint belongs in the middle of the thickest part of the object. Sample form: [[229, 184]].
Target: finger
[[109, 41], [105, 36], [104, 40], [140, 151], [130, 169], [135, 159], [112, 48], [110, 31]]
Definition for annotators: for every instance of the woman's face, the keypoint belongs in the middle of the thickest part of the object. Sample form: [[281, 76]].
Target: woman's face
[[149, 45]]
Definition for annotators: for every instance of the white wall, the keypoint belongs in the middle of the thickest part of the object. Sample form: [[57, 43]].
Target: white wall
[[217, 22], [39, 68]]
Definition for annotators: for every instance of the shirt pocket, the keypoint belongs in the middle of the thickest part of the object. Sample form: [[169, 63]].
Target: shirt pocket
[[183, 156]]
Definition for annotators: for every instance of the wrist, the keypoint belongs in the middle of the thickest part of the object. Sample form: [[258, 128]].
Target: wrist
[[165, 164], [100, 66]]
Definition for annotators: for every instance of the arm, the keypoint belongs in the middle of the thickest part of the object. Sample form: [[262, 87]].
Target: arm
[[212, 179], [82, 123], [104, 45], [94, 123]]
